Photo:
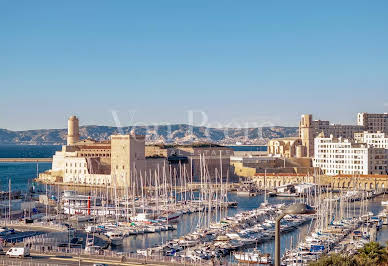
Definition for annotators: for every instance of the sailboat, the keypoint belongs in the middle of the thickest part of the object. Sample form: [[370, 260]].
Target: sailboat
[[265, 203]]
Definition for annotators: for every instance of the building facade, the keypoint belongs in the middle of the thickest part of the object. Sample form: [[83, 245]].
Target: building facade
[[336, 156], [309, 129], [286, 147], [103, 163], [125, 160], [373, 122], [373, 139]]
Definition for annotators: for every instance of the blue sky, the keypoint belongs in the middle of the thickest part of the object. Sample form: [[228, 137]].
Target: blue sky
[[239, 62]]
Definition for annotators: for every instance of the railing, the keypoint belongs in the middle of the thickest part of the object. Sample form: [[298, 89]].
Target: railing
[[48, 244], [25, 262]]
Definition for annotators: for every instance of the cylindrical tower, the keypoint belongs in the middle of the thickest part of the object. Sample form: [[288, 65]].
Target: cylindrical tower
[[72, 130], [300, 151]]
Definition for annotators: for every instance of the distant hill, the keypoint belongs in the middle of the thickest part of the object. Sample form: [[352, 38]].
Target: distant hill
[[179, 133]]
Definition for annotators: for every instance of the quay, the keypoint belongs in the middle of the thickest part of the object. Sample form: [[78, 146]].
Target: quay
[[25, 160], [51, 258]]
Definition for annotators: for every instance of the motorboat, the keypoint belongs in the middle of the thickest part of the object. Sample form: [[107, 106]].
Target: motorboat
[[116, 238], [254, 257]]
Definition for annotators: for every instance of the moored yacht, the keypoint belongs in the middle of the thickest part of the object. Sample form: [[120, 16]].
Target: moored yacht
[[116, 238], [254, 257]]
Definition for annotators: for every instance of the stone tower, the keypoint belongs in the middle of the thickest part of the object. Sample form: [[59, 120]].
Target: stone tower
[[127, 159], [306, 133], [72, 130]]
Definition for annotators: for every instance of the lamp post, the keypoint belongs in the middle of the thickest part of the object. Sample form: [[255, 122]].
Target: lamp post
[[297, 208]]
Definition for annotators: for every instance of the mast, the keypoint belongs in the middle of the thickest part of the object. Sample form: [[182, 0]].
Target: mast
[[133, 195], [165, 185], [116, 209], [191, 179], [126, 197], [265, 186], [9, 198], [221, 189], [46, 200], [216, 203], [157, 191], [142, 190]]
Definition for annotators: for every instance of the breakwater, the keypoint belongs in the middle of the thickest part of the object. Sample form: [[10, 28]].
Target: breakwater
[[26, 160]]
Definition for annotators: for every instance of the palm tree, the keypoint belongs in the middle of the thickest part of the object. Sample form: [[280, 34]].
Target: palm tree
[[371, 254], [334, 259]]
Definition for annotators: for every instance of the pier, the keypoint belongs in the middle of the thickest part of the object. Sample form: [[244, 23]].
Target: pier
[[26, 160]]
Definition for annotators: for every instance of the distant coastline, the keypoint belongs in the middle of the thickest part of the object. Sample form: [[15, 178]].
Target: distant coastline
[[168, 134]]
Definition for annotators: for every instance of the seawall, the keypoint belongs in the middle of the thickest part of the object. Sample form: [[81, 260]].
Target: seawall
[[13, 160]]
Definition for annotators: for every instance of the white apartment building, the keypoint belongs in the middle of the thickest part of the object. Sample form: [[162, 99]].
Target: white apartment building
[[377, 140], [335, 156]]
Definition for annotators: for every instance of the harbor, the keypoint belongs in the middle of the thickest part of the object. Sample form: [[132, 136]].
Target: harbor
[[187, 203], [234, 231]]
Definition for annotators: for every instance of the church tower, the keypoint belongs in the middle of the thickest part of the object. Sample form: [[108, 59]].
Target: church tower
[[306, 134]]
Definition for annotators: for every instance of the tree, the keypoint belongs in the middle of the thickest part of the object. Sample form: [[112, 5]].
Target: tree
[[334, 259], [371, 254]]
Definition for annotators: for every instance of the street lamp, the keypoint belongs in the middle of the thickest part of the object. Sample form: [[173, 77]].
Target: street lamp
[[297, 208]]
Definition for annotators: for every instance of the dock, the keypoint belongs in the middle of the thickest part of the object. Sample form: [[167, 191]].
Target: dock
[[26, 160]]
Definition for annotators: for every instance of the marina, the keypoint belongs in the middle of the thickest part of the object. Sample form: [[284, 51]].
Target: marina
[[161, 237], [196, 133], [166, 215]]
